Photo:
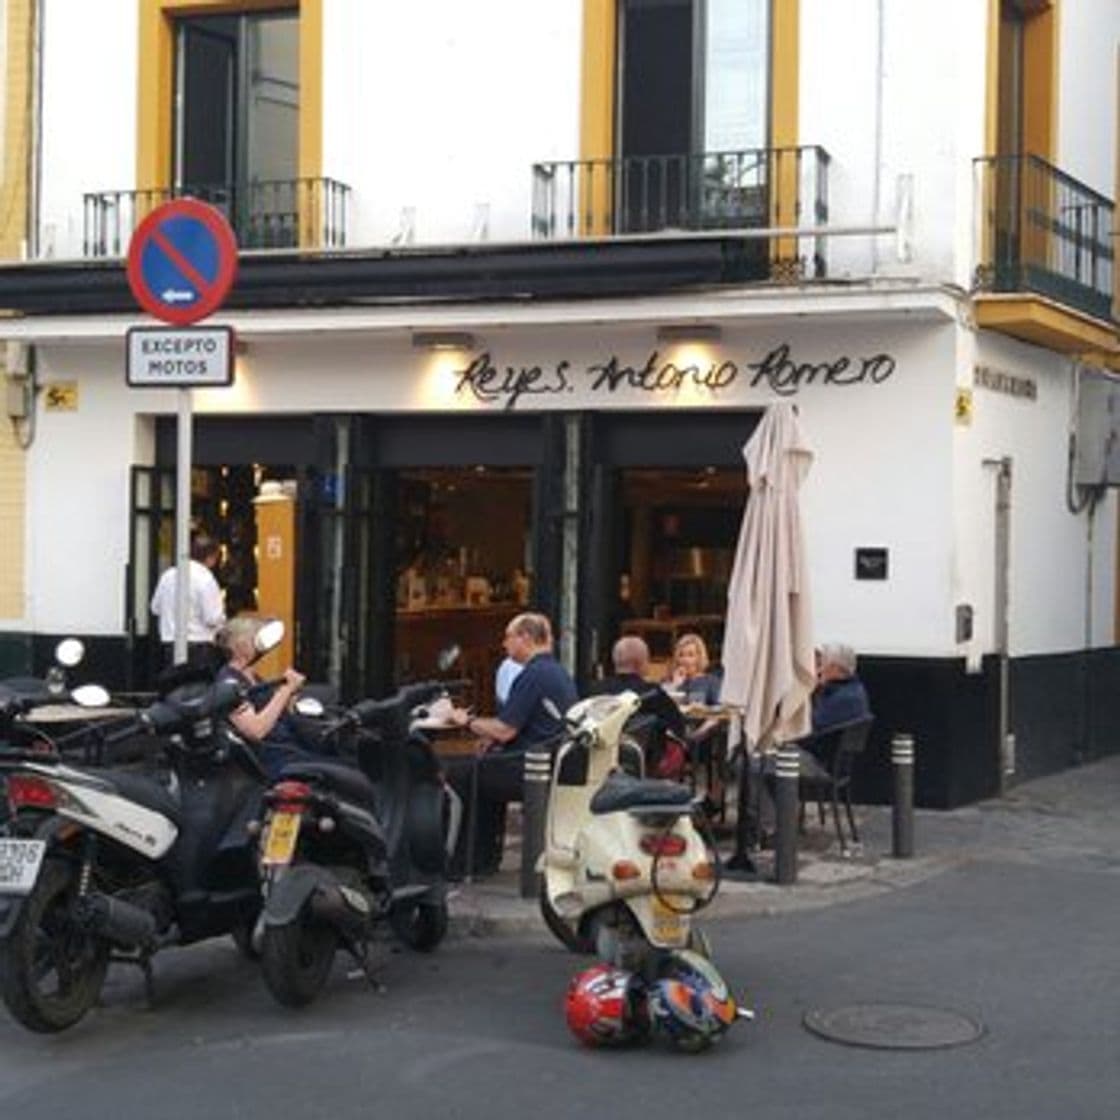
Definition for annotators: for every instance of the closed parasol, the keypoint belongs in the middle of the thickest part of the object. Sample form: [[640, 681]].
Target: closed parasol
[[768, 667]]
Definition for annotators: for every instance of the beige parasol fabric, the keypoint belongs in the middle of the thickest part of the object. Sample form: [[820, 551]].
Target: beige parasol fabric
[[768, 635]]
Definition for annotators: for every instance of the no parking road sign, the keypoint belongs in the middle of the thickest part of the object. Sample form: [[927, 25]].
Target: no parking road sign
[[181, 261]]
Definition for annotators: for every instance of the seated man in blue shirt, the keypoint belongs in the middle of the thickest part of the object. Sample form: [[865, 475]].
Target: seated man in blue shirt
[[839, 696], [522, 722]]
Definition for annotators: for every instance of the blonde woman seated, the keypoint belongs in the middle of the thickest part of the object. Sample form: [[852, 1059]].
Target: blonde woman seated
[[263, 720], [691, 682], [689, 676]]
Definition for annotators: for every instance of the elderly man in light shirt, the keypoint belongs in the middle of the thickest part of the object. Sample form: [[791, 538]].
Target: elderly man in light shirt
[[205, 612]]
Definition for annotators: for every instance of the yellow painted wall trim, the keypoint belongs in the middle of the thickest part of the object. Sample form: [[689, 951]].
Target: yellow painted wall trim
[[18, 134], [991, 108], [596, 118], [596, 113], [17, 127], [1040, 74], [785, 81], [1040, 81], [310, 89], [1115, 195], [1043, 322]]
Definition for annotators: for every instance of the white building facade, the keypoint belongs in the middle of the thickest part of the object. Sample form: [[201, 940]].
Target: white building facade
[[583, 242]]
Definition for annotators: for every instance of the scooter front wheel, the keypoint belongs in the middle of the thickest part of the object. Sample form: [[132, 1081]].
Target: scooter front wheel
[[51, 968], [296, 959], [419, 925], [561, 930]]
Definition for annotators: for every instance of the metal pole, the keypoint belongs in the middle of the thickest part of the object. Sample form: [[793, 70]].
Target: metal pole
[[182, 524], [472, 821], [787, 771], [902, 806], [534, 804]]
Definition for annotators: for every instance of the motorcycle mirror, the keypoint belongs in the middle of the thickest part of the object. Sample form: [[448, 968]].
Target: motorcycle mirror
[[310, 706], [90, 696], [448, 656], [69, 652], [269, 635]]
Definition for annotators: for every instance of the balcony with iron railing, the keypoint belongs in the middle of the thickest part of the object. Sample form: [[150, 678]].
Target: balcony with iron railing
[[1042, 232], [264, 214], [751, 190]]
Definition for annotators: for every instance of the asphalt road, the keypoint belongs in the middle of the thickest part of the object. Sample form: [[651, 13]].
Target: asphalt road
[[1027, 946]]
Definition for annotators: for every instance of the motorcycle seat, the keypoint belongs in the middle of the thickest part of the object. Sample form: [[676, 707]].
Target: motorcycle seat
[[343, 779], [621, 791], [144, 791]]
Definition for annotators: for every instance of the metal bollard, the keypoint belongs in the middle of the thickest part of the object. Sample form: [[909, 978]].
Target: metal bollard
[[787, 771], [534, 805], [902, 806]]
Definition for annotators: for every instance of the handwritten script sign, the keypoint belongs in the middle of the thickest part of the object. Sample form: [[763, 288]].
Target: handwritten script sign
[[777, 371]]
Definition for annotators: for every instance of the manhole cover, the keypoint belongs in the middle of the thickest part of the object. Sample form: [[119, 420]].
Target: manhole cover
[[893, 1026]]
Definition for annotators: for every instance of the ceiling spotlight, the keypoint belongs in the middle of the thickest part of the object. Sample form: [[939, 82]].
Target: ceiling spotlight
[[443, 340], [689, 332]]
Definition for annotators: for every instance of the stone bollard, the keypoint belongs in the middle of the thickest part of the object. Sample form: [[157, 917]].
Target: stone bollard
[[787, 773], [534, 806], [902, 806]]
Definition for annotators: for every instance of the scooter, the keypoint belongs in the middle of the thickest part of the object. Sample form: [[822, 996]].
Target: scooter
[[20, 696], [103, 865], [346, 847], [624, 866]]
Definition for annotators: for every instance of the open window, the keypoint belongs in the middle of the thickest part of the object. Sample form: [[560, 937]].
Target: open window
[[237, 101]]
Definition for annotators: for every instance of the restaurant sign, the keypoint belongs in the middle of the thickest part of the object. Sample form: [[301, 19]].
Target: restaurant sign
[[777, 371]]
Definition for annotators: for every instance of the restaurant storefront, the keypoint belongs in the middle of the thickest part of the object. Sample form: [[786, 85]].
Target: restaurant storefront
[[388, 496]]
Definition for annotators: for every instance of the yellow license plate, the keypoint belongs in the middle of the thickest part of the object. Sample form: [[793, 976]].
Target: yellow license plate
[[668, 925], [280, 843]]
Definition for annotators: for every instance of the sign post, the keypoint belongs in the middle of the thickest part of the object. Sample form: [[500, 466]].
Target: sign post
[[182, 260]]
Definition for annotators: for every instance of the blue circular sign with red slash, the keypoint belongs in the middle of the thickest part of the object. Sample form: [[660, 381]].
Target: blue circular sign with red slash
[[182, 260]]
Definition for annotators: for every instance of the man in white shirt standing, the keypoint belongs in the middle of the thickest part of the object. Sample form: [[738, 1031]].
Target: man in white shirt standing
[[205, 612]]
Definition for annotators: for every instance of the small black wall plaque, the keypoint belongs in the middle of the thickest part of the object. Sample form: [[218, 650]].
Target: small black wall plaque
[[871, 563]]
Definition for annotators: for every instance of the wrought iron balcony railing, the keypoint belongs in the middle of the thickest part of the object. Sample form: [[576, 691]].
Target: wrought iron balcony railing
[[1042, 231], [266, 214], [753, 189]]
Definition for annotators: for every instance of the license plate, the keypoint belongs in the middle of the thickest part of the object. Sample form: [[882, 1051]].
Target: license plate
[[668, 926], [280, 844], [19, 864]]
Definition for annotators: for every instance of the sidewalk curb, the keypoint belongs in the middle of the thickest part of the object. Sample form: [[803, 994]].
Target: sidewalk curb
[[488, 911]]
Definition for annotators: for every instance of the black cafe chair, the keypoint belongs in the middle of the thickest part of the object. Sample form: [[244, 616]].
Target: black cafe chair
[[834, 750]]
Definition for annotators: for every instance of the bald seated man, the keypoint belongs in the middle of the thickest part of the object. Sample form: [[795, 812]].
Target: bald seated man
[[630, 657]]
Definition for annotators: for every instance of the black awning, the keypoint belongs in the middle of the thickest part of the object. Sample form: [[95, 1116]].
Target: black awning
[[535, 270]]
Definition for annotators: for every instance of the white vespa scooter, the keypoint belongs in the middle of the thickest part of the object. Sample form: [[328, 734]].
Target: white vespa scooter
[[624, 867]]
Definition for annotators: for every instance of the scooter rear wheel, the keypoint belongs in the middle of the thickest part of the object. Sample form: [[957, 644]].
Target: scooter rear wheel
[[296, 959], [572, 941]]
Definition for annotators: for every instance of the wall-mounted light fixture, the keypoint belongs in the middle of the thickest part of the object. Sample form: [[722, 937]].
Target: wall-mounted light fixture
[[689, 332], [443, 340]]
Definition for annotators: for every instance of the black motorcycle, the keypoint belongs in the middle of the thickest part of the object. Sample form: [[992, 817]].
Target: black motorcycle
[[345, 847], [102, 864]]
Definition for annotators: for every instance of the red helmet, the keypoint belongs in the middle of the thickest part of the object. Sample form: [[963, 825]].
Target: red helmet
[[606, 1006]]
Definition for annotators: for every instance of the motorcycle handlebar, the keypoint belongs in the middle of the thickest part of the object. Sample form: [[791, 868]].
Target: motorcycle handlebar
[[395, 709]]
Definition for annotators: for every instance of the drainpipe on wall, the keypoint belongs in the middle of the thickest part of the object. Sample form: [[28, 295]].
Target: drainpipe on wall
[[877, 157], [1005, 740]]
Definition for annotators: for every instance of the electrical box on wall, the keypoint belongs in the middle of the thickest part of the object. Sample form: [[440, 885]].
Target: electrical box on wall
[[1097, 437], [17, 382], [17, 397]]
